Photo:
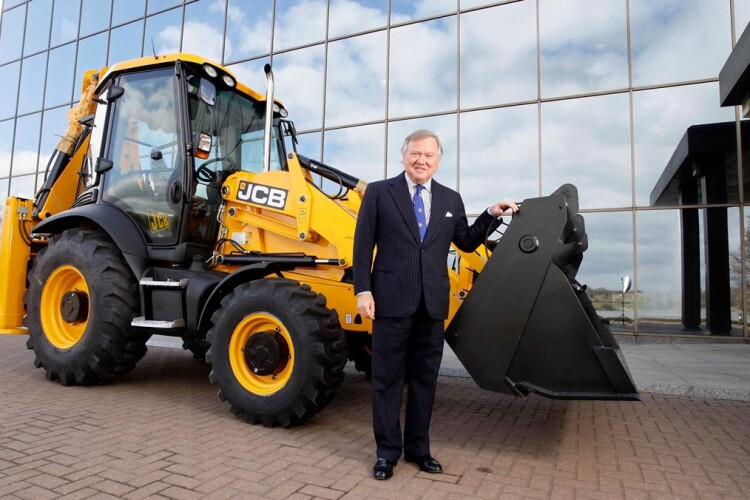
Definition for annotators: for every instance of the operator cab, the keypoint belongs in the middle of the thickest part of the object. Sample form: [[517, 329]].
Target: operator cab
[[163, 141]]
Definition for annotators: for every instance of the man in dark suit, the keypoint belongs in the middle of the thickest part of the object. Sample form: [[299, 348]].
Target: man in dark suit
[[412, 220]]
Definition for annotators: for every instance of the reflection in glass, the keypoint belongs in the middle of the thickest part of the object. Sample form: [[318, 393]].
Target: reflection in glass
[[299, 22], [406, 10], [586, 142], [660, 118], [6, 146], [352, 16], [741, 16], [423, 68], [309, 145], [3, 194], [94, 16], [736, 266], [9, 88], [608, 259], [11, 34], [61, 64], [356, 79], [23, 186], [159, 5], [499, 156], [64, 21], [660, 47], [39, 14], [26, 146], [444, 127], [251, 74], [92, 54], [248, 30], [358, 151], [125, 42], [127, 10], [54, 124], [498, 55], [203, 31], [11, 3], [163, 33], [299, 85], [31, 92], [585, 52]]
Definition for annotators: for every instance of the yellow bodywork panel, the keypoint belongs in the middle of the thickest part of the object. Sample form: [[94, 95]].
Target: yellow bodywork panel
[[14, 256]]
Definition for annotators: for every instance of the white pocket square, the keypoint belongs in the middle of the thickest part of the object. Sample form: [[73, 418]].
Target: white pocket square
[[448, 214]]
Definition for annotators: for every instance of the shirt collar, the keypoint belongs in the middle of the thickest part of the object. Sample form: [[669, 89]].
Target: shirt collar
[[413, 185]]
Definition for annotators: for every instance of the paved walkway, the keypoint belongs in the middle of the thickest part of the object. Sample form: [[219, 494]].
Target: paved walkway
[[161, 432]]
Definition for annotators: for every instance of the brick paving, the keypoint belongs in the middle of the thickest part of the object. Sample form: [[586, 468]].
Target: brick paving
[[160, 432]]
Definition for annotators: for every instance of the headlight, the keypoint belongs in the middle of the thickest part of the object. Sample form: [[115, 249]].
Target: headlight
[[210, 71], [228, 80]]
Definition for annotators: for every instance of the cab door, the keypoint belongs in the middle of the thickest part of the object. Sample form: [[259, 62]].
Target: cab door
[[144, 157]]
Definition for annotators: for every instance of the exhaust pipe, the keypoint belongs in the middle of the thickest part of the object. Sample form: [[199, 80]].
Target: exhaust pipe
[[269, 119]]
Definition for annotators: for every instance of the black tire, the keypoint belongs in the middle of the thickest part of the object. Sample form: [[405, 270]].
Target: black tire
[[99, 345], [305, 380]]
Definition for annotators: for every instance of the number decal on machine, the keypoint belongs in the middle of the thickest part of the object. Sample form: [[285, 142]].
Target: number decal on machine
[[262, 195]]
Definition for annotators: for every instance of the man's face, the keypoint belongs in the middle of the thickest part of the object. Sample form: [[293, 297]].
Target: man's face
[[421, 159]]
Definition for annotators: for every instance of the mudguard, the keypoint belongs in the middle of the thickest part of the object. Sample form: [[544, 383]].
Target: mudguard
[[527, 325]]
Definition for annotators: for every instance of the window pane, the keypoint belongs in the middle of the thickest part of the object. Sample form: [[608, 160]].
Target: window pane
[[9, 88], [54, 124], [127, 10], [92, 54], [498, 55], [11, 34], [204, 29], [356, 79], [406, 10], [661, 46], [608, 259], [660, 118], [358, 151], [309, 144], [95, 16], [6, 147], [31, 92], [39, 14], [62, 65], [3, 195], [736, 265], [248, 29], [586, 142], [499, 156], [23, 186], [159, 5], [125, 42], [299, 85], [64, 21], [423, 68], [741, 16], [584, 52], [26, 147], [11, 3], [251, 74], [299, 22], [352, 16], [163, 33], [444, 127]]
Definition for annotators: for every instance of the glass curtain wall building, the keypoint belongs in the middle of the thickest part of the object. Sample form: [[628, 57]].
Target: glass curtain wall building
[[526, 95]]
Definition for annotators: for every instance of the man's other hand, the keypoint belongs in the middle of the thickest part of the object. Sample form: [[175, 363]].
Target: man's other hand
[[499, 208], [366, 305]]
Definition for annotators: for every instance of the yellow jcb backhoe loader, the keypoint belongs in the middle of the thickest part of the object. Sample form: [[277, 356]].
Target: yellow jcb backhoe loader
[[172, 205]]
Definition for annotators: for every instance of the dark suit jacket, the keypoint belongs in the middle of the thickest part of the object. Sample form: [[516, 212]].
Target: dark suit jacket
[[404, 266]]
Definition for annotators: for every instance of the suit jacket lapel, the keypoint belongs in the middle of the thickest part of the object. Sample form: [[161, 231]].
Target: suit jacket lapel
[[437, 210], [400, 194]]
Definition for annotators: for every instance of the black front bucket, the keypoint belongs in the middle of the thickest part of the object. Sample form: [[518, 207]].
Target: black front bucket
[[527, 325]]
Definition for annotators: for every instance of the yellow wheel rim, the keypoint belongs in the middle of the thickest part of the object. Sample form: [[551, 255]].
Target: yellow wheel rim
[[64, 332], [252, 325]]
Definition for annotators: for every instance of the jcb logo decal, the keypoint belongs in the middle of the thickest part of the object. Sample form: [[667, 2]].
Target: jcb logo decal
[[158, 221], [262, 195]]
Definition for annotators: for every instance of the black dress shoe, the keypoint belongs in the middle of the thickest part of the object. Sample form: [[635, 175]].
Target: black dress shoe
[[383, 468], [426, 463]]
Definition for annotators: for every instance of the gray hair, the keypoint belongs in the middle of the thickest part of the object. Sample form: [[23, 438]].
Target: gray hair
[[421, 134]]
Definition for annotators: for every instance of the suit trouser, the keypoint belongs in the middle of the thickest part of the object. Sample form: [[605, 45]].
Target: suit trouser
[[417, 342]]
